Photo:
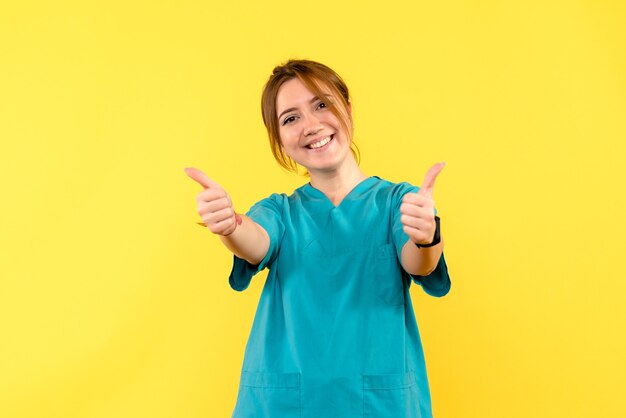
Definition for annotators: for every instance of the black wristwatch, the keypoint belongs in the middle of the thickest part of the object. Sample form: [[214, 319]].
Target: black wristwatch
[[436, 238]]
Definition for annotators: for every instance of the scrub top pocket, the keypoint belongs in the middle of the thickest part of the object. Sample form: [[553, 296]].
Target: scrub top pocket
[[390, 396], [268, 395], [389, 284]]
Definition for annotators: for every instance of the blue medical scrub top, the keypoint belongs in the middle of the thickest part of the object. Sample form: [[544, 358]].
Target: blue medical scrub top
[[334, 333]]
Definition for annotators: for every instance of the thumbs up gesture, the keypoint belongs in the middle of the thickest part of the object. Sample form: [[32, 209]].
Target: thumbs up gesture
[[214, 205], [418, 209]]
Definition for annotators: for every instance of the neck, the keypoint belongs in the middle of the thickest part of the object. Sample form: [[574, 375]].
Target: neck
[[336, 184]]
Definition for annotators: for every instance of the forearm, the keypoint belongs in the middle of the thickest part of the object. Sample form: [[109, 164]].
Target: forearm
[[249, 241], [420, 261]]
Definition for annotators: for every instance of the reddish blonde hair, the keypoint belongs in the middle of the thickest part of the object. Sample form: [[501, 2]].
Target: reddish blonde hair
[[319, 79]]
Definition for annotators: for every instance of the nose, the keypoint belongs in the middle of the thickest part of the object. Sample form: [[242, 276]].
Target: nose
[[312, 125]]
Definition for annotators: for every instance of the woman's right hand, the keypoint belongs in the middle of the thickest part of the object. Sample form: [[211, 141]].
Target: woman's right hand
[[214, 205]]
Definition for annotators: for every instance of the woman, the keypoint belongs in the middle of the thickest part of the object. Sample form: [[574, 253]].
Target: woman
[[334, 334]]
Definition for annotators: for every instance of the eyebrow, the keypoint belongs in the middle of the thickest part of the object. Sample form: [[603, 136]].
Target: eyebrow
[[295, 108]]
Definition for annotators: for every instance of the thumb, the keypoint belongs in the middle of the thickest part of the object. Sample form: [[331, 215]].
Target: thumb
[[429, 180], [201, 178]]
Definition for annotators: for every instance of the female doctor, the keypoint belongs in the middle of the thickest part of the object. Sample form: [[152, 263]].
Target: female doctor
[[334, 334]]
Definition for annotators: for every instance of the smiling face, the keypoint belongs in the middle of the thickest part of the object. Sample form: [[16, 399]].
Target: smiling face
[[310, 132]]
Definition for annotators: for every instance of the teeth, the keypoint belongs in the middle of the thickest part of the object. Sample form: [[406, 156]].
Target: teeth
[[321, 143]]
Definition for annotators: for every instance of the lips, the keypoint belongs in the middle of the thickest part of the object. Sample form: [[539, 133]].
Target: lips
[[320, 143]]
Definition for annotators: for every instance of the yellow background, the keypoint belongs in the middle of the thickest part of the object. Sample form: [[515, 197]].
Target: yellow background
[[114, 303]]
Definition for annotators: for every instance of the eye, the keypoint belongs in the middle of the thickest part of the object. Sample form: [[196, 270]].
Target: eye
[[322, 105], [290, 119]]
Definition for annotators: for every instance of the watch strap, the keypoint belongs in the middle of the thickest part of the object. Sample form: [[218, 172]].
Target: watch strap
[[436, 238]]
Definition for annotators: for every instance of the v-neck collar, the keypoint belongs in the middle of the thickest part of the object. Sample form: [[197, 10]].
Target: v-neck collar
[[361, 186]]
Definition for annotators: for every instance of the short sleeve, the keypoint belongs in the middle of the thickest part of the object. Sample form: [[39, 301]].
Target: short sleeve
[[268, 213], [437, 283]]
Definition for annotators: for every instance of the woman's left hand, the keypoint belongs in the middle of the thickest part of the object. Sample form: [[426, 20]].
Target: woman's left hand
[[418, 209]]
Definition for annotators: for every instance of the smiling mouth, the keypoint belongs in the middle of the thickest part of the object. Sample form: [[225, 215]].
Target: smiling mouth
[[321, 143]]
